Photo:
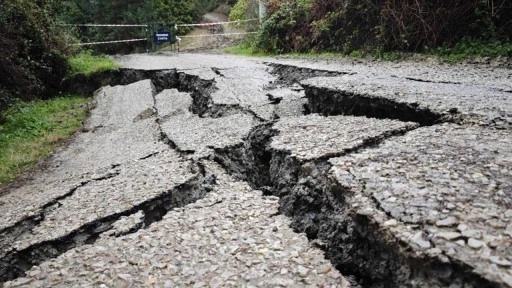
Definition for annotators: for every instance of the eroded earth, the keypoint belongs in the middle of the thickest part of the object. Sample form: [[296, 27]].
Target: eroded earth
[[198, 170]]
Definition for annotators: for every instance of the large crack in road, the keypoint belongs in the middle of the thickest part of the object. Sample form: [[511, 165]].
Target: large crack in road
[[400, 182]]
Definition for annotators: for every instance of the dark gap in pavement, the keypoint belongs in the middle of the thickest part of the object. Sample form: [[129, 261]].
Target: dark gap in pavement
[[319, 207], [15, 263], [167, 141], [22, 227], [217, 71], [289, 75], [431, 81], [330, 102]]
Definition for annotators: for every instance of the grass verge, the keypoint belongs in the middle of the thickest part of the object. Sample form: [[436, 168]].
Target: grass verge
[[468, 48], [33, 130], [87, 64], [246, 49]]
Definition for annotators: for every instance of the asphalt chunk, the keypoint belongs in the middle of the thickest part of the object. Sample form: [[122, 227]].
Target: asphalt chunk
[[314, 136], [442, 191], [171, 102], [193, 133], [226, 239], [423, 102]]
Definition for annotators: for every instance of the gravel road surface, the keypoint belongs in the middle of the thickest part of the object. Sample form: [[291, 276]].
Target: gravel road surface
[[200, 170]]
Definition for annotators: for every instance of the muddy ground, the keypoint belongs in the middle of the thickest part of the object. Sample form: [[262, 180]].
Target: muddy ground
[[212, 171]]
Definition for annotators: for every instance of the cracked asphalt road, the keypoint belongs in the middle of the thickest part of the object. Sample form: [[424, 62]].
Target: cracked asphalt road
[[227, 171]]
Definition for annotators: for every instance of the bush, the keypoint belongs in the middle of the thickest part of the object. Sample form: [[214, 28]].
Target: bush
[[286, 29], [33, 50], [244, 9], [383, 25], [239, 10]]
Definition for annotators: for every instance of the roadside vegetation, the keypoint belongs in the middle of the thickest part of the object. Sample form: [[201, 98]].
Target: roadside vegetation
[[453, 30], [86, 63], [33, 130], [246, 48], [34, 117]]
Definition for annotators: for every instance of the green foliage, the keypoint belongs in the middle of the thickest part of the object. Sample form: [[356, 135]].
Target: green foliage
[[245, 9], [356, 54], [280, 32], [468, 48], [245, 49], [385, 26], [239, 10], [33, 51], [129, 12], [32, 130], [86, 63]]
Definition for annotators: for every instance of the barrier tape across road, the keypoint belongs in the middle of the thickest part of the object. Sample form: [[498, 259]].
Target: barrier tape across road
[[105, 25], [144, 25], [110, 42], [216, 23], [212, 35]]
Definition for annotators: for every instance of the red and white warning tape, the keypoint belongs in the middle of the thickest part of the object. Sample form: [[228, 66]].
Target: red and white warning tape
[[212, 35], [216, 23], [145, 25], [110, 42], [106, 25], [144, 39]]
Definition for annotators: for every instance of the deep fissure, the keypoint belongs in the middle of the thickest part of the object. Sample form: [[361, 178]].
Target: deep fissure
[[320, 207], [289, 75], [316, 204], [330, 102], [16, 262]]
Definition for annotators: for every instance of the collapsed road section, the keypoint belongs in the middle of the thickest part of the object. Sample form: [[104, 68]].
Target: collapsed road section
[[212, 170]]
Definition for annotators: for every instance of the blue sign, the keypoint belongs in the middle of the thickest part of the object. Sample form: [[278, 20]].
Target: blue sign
[[161, 37]]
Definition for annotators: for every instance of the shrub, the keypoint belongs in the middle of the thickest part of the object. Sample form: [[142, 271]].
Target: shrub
[[33, 50], [383, 25]]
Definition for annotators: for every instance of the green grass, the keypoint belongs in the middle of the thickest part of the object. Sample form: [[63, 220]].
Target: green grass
[[87, 64], [468, 48], [246, 49], [315, 55], [33, 130]]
